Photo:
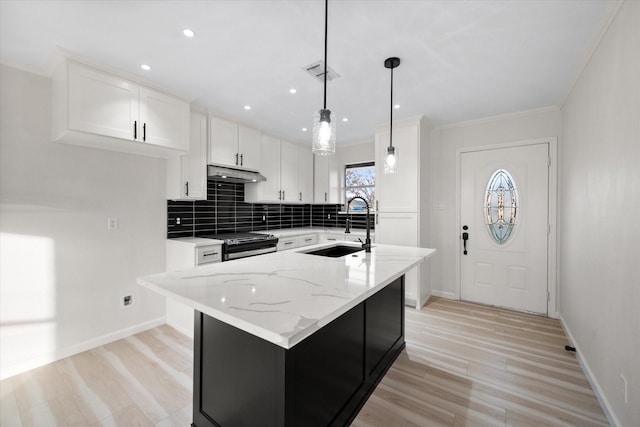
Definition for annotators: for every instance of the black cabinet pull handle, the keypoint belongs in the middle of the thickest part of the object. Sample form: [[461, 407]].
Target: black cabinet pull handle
[[135, 130], [144, 131], [186, 188], [300, 196], [236, 159], [465, 237], [241, 160]]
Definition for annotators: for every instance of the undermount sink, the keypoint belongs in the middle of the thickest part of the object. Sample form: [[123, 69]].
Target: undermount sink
[[334, 251]]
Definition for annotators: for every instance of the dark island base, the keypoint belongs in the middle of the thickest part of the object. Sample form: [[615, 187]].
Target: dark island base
[[242, 380]]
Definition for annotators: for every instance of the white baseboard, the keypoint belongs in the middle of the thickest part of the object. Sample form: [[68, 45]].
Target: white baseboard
[[44, 359], [604, 403], [444, 294]]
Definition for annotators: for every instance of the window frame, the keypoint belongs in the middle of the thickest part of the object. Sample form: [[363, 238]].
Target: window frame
[[370, 164]]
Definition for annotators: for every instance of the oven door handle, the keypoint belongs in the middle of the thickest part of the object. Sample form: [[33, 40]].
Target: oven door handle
[[244, 254]]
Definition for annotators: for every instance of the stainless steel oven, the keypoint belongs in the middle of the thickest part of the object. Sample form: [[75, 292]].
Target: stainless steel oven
[[242, 245]]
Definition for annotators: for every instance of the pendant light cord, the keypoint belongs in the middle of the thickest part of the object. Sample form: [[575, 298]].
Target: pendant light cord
[[326, 13], [391, 114]]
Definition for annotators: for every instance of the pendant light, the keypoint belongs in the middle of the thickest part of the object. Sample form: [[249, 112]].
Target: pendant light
[[324, 122], [391, 157]]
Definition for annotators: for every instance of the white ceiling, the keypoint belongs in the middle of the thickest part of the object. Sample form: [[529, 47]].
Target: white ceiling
[[461, 60]]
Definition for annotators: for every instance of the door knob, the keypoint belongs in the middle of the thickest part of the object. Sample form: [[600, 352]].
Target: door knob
[[465, 237]]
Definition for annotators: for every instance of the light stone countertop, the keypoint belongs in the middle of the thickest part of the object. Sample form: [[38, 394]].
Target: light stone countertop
[[196, 241], [290, 232], [283, 297]]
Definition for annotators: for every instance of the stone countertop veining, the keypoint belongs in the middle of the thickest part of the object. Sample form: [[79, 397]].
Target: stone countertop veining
[[284, 297]]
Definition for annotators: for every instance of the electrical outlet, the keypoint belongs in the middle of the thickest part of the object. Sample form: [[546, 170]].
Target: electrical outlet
[[112, 223], [178, 221], [127, 301], [624, 388]]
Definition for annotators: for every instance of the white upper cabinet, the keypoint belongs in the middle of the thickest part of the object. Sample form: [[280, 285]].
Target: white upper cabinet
[[104, 110], [102, 103], [270, 189], [234, 146], [164, 120], [288, 171], [187, 174], [305, 174], [326, 180], [249, 148]]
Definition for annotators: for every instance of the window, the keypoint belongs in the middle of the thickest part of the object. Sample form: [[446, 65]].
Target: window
[[501, 206], [360, 180]]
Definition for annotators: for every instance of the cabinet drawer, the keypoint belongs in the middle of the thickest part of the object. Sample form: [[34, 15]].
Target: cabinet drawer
[[288, 243], [307, 239], [208, 254]]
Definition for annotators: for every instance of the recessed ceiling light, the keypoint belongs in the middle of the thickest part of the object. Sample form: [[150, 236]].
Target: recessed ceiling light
[[145, 67], [304, 129], [345, 119], [247, 107], [292, 90], [396, 106], [187, 32]]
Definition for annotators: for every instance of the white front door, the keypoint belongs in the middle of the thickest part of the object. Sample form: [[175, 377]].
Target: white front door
[[507, 225]]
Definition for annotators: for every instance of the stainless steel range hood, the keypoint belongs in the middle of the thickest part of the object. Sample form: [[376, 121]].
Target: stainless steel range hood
[[220, 173]]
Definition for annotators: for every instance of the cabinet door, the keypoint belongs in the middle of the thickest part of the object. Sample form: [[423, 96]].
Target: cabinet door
[[400, 228], [187, 174], [164, 120], [326, 180], [287, 243], [289, 171], [305, 175], [269, 190], [101, 103], [194, 164], [320, 179], [249, 148], [398, 192], [223, 147]]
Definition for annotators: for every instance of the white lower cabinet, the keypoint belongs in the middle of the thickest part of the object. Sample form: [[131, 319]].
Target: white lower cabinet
[[182, 255], [308, 239], [332, 237], [287, 243]]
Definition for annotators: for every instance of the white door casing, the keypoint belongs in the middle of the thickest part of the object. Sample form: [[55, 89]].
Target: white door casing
[[513, 274]]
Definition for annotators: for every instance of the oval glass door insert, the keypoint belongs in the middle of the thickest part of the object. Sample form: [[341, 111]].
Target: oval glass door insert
[[501, 204]]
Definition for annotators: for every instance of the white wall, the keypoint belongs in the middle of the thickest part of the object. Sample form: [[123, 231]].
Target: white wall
[[445, 141], [353, 153], [600, 224], [63, 275]]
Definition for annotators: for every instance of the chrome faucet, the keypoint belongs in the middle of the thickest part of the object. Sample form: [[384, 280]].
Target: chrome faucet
[[347, 228], [366, 245]]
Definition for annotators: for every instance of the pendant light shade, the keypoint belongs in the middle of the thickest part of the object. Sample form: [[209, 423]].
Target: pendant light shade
[[324, 121], [324, 132], [391, 155]]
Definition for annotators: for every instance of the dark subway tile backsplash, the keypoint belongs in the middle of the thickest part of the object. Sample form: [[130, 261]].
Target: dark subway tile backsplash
[[225, 211]]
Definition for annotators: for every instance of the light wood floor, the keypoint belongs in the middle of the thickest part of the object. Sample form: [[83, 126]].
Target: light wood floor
[[465, 365]]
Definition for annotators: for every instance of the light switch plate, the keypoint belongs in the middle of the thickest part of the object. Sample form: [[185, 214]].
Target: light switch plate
[[112, 223]]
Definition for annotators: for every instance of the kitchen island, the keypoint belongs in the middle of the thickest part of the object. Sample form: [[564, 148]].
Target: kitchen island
[[290, 338]]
